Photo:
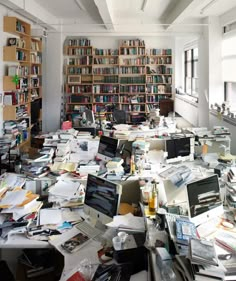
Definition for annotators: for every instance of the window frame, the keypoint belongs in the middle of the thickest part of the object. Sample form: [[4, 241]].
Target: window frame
[[193, 76]]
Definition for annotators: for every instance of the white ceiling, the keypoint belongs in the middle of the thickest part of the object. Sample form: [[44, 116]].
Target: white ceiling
[[130, 15]]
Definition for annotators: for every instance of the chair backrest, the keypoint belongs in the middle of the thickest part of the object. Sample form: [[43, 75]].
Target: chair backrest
[[119, 116]]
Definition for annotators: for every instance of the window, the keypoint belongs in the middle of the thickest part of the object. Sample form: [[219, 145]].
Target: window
[[230, 93], [228, 68], [191, 70]]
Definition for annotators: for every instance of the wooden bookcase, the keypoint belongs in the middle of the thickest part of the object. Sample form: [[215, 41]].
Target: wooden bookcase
[[158, 76], [105, 81], [22, 80], [131, 78], [78, 77]]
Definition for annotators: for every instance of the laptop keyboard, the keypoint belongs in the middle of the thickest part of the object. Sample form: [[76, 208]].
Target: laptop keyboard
[[89, 230]]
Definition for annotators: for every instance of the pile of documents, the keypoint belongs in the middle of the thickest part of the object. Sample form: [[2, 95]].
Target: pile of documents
[[115, 170], [66, 192], [16, 204]]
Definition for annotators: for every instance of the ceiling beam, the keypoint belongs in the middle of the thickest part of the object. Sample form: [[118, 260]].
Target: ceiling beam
[[181, 11], [105, 13]]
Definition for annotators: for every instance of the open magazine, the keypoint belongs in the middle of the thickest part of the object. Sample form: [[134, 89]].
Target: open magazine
[[177, 175]]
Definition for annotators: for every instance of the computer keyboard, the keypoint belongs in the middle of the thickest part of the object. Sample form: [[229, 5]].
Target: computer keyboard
[[89, 230]]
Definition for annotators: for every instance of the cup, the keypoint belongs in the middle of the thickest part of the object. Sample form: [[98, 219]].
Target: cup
[[116, 241], [123, 235]]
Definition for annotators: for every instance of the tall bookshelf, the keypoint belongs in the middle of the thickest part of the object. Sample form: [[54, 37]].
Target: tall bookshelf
[[131, 78], [16, 82], [158, 76], [105, 81], [36, 84], [22, 82], [78, 77]]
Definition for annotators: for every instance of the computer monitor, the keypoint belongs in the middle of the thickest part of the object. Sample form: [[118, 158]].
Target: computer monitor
[[204, 200], [179, 149], [102, 199], [107, 148], [89, 115]]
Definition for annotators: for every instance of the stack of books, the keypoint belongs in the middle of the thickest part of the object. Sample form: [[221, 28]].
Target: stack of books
[[115, 170], [231, 187], [201, 263]]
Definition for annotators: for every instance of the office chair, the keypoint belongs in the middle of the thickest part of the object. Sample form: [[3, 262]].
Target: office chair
[[119, 116]]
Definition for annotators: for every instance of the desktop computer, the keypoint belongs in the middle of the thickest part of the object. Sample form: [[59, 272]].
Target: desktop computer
[[204, 199], [107, 148], [179, 149], [101, 204]]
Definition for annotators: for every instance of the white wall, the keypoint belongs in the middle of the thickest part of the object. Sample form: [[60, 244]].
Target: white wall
[[187, 109]]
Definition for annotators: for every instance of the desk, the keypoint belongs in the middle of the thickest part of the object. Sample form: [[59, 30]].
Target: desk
[[130, 132]]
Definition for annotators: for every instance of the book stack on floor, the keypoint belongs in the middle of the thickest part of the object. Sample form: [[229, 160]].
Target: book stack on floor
[[115, 170], [231, 187], [201, 263]]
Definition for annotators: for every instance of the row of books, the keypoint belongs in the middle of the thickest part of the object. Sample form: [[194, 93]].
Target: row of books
[[110, 98], [85, 60], [132, 69], [22, 55], [132, 51], [35, 58], [133, 80], [14, 98], [79, 42], [105, 60], [106, 52], [159, 79], [79, 89], [159, 89], [19, 70], [79, 70], [35, 46], [231, 187], [79, 52], [106, 79], [106, 70]]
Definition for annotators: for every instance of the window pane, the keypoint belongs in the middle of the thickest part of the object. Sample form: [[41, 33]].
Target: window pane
[[195, 87], [230, 94], [188, 86], [189, 55], [189, 69], [195, 67], [195, 53]]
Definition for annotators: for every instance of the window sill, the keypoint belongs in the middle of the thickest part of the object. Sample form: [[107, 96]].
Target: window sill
[[187, 98], [225, 118]]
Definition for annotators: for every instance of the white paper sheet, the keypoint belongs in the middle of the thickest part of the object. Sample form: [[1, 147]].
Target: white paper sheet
[[50, 216], [65, 189], [13, 198]]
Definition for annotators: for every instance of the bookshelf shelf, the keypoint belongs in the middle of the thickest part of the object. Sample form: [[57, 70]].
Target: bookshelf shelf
[[117, 76]]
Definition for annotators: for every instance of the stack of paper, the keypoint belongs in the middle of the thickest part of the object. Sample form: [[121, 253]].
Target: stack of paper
[[65, 191], [129, 222], [62, 151]]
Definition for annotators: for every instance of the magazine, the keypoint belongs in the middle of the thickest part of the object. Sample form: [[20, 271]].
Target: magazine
[[74, 243], [178, 175]]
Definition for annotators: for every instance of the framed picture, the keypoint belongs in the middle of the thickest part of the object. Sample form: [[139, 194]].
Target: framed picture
[[74, 79], [12, 41]]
